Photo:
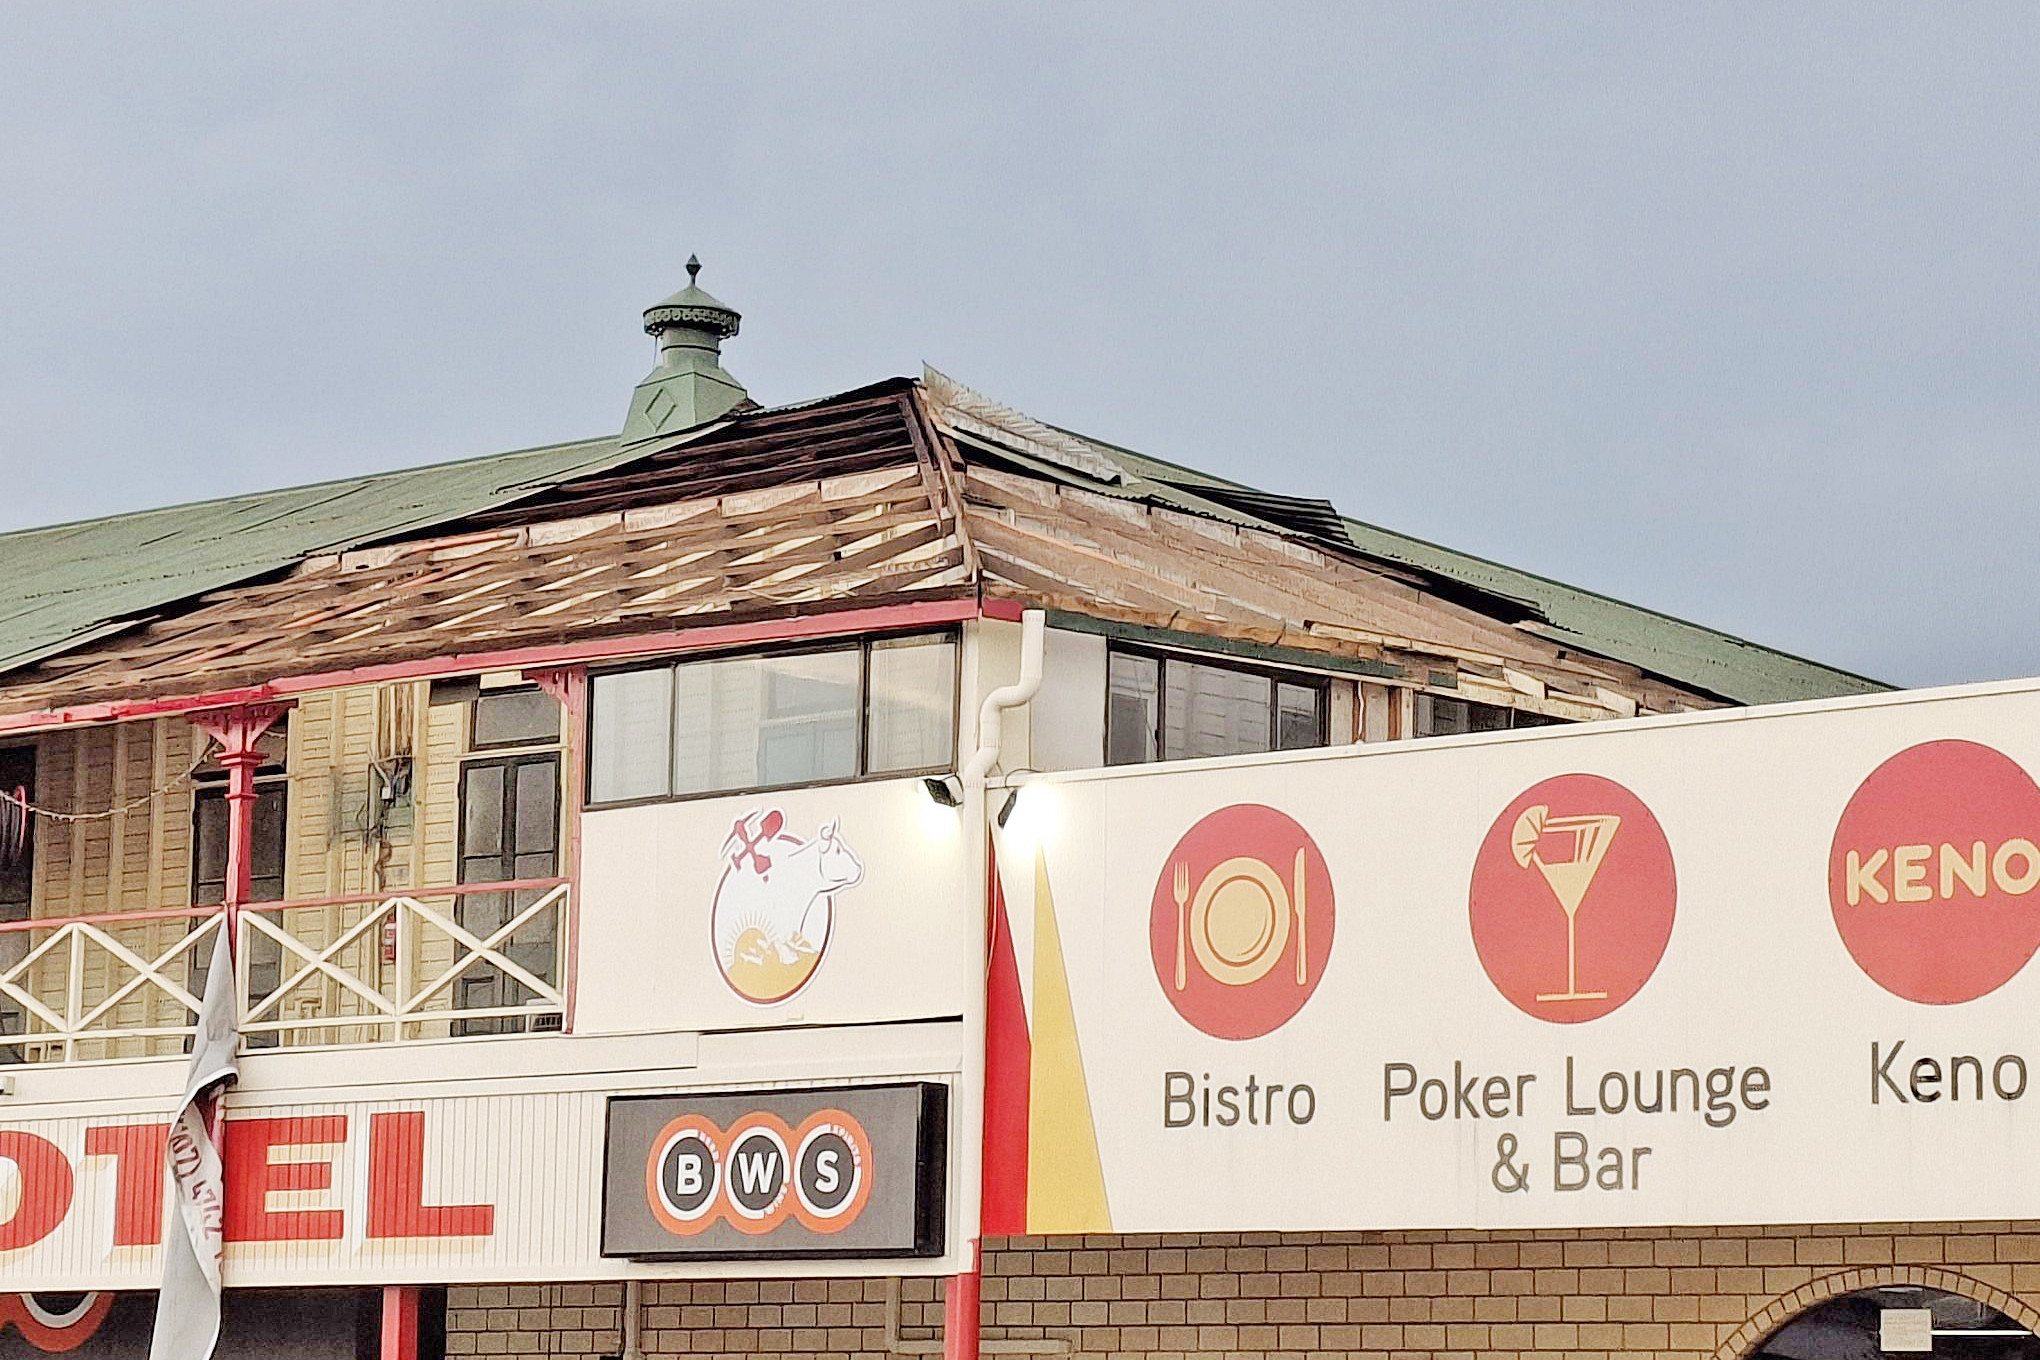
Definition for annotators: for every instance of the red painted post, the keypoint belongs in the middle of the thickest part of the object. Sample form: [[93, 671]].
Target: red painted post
[[399, 1322], [239, 733], [960, 1312]]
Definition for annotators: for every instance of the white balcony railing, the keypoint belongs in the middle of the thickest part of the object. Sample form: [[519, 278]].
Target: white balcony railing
[[483, 958]]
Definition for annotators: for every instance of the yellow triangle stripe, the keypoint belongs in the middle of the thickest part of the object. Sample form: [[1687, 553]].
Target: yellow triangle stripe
[[1065, 1178]]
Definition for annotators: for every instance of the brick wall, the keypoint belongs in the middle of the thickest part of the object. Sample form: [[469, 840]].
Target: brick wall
[[1700, 1292]]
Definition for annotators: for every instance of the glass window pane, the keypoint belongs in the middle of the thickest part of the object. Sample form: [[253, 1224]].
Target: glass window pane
[[756, 722], [913, 704], [271, 830], [516, 717], [481, 801], [1133, 690], [1299, 717], [1438, 716], [1488, 718], [536, 808], [811, 711], [1210, 711], [209, 846], [630, 737]]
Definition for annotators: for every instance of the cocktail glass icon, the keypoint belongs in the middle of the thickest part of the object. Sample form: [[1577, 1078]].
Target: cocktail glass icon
[[1583, 843]]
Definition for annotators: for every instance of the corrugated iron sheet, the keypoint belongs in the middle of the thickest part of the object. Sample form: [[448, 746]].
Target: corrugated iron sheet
[[66, 584]]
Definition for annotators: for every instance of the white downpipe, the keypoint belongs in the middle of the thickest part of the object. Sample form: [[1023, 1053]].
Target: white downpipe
[[1033, 629], [970, 1133], [633, 1320]]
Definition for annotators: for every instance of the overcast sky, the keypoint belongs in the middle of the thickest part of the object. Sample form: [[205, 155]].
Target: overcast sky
[[1733, 312]]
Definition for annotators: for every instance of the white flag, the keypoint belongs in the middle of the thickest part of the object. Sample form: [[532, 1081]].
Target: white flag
[[188, 1306]]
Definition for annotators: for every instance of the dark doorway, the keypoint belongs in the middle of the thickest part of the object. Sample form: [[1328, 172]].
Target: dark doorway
[[1851, 1328], [210, 822], [510, 830]]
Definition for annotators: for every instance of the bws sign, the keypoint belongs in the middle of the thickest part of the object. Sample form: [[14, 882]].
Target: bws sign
[[852, 1171]]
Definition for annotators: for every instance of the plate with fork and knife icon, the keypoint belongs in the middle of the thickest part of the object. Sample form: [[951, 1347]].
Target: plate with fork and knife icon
[[1242, 921]]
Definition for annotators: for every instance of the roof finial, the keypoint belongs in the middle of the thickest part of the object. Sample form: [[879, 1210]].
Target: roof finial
[[689, 387]]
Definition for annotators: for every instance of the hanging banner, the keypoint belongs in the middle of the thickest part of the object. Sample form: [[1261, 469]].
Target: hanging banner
[[1762, 966]]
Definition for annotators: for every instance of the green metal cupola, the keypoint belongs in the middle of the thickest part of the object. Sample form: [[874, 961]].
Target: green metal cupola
[[689, 386]]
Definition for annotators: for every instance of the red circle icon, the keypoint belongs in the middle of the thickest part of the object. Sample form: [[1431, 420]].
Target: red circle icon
[[1241, 924], [1932, 874], [1572, 898]]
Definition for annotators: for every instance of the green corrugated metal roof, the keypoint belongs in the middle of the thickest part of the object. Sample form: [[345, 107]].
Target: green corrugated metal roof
[[1701, 658], [69, 583], [1685, 653]]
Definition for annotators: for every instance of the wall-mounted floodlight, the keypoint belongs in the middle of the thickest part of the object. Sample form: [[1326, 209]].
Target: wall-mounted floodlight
[[1006, 808], [945, 789]]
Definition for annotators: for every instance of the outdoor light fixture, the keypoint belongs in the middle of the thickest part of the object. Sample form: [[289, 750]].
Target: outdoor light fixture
[[945, 789], [1006, 808]]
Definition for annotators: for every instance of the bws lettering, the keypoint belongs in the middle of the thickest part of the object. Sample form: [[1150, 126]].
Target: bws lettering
[[759, 1173]]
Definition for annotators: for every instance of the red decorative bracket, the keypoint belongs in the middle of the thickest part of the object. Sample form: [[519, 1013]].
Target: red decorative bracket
[[567, 684]]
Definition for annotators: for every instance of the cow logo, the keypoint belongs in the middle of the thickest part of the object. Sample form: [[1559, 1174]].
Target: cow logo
[[759, 1173], [1932, 872], [1240, 927], [775, 905], [1572, 898], [55, 1323]]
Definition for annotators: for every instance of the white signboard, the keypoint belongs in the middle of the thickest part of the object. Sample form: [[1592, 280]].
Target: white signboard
[[1769, 966], [450, 1162], [801, 906]]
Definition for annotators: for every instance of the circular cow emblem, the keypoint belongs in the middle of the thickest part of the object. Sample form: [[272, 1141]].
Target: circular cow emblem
[[1241, 923], [775, 905], [1572, 898], [1933, 871]]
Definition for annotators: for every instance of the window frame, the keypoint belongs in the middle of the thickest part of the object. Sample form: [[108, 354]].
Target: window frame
[[1277, 676], [1519, 719], [862, 645], [476, 746], [208, 786]]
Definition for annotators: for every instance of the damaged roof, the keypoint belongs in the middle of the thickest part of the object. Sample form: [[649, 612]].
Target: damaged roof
[[1686, 653], [67, 584], [173, 591]]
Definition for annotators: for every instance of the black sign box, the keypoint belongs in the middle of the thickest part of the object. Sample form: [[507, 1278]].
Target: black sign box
[[822, 1172]]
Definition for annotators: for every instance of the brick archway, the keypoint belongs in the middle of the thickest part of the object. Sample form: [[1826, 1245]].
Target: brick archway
[[1786, 1307]]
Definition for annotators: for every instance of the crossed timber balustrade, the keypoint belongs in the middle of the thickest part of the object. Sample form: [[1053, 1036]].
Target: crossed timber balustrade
[[394, 965]]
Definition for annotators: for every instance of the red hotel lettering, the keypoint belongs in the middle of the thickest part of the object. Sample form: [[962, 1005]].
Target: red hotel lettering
[[251, 1177], [396, 1185], [137, 1152], [45, 1180]]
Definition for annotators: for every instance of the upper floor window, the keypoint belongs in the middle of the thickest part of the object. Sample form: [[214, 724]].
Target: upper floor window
[[513, 717], [1438, 716], [1162, 707], [735, 723]]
